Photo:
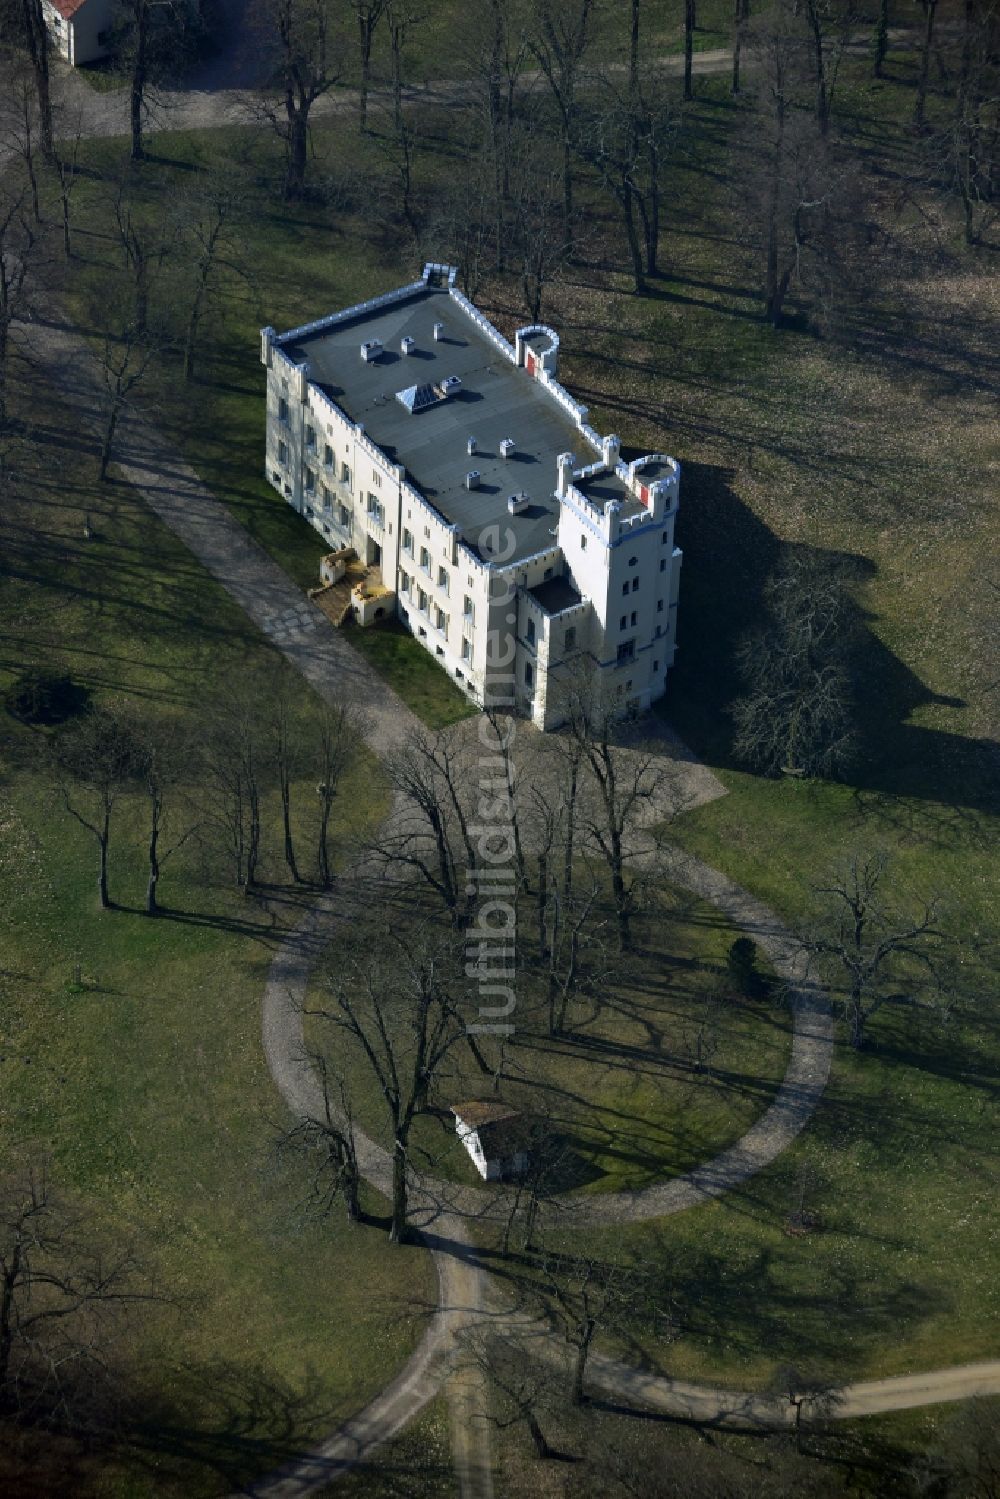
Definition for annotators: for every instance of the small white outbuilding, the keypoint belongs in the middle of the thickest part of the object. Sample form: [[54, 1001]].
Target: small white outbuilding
[[495, 1135]]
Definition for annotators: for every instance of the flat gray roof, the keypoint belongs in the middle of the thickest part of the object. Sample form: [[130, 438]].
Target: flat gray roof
[[555, 594], [496, 400], [601, 489]]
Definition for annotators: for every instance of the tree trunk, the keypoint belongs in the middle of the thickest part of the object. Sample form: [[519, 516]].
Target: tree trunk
[[109, 437], [137, 88], [104, 838], [567, 192], [627, 201], [366, 31], [542, 1448], [690, 22], [742, 16], [286, 822], [7, 1318], [920, 107], [298, 148], [819, 67], [352, 1203], [397, 1229], [881, 38], [323, 848], [154, 862], [580, 1362], [37, 38]]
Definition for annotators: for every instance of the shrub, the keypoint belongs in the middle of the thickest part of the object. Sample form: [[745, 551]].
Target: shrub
[[43, 698], [741, 961]]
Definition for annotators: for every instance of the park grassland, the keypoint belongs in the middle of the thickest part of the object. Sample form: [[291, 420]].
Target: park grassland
[[131, 1047], [877, 443], [637, 1087]]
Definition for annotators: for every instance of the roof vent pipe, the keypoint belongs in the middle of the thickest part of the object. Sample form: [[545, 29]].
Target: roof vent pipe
[[472, 479], [438, 333], [508, 448], [471, 446], [407, 344]]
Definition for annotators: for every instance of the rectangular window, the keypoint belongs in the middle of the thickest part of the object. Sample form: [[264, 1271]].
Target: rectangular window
[[283, 411], [635, 619], [467, 610], [529, 674], [327, 501], [310, 439], [635, 585], [663, 539], [663, 564], [659, 631], [407, 541], [623, 622], [425, 560], [282, 452], [441, 620], [531, 632], [659, 606], [626, 651], [421, 601], [466, 650], [310, 481], [328, 458], [404, 582], [345, 475], [376, 478], [583, 543], [345, 517], [624, 589], [443, 578], [375, 509], [656, 665], [570, 640]]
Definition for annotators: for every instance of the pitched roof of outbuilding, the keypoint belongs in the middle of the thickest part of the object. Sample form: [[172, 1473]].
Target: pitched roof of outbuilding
[[482, 1111], [67, 8]]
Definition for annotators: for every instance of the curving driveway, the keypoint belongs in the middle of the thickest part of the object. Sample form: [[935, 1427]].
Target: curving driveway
[[301, 632]]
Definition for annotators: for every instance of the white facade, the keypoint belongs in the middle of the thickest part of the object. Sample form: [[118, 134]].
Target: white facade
[[79, 28], [601, 591]]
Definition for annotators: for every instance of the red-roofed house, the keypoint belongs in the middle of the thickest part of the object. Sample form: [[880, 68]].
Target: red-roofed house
[[79, 28]]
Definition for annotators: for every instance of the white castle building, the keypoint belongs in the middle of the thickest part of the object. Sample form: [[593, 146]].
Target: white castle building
[[484, 511]]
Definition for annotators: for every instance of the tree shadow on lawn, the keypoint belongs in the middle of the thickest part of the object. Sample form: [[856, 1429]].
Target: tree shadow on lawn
[[755, 1311], [728, 556]]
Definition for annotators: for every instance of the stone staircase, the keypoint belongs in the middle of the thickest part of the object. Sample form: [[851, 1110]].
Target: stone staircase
[[336, 599]]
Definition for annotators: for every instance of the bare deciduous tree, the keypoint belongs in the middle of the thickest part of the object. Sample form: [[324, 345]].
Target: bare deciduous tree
[[327, 1143], [209, 222], [125, 361], [36, 38], [162, 754], [796, 715], [18, 251], [368, 14], [301, 43], [339, 733], [880, 955], [433, 837], [97, 758], [588, 1293], [63, 1293], [232, 764], [560, 41], [398, 1000], [151, 39], [521, 1385]]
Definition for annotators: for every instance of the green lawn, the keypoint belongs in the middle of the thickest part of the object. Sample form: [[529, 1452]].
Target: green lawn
[[411, 672], [144, 1084], [659, 1067]]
